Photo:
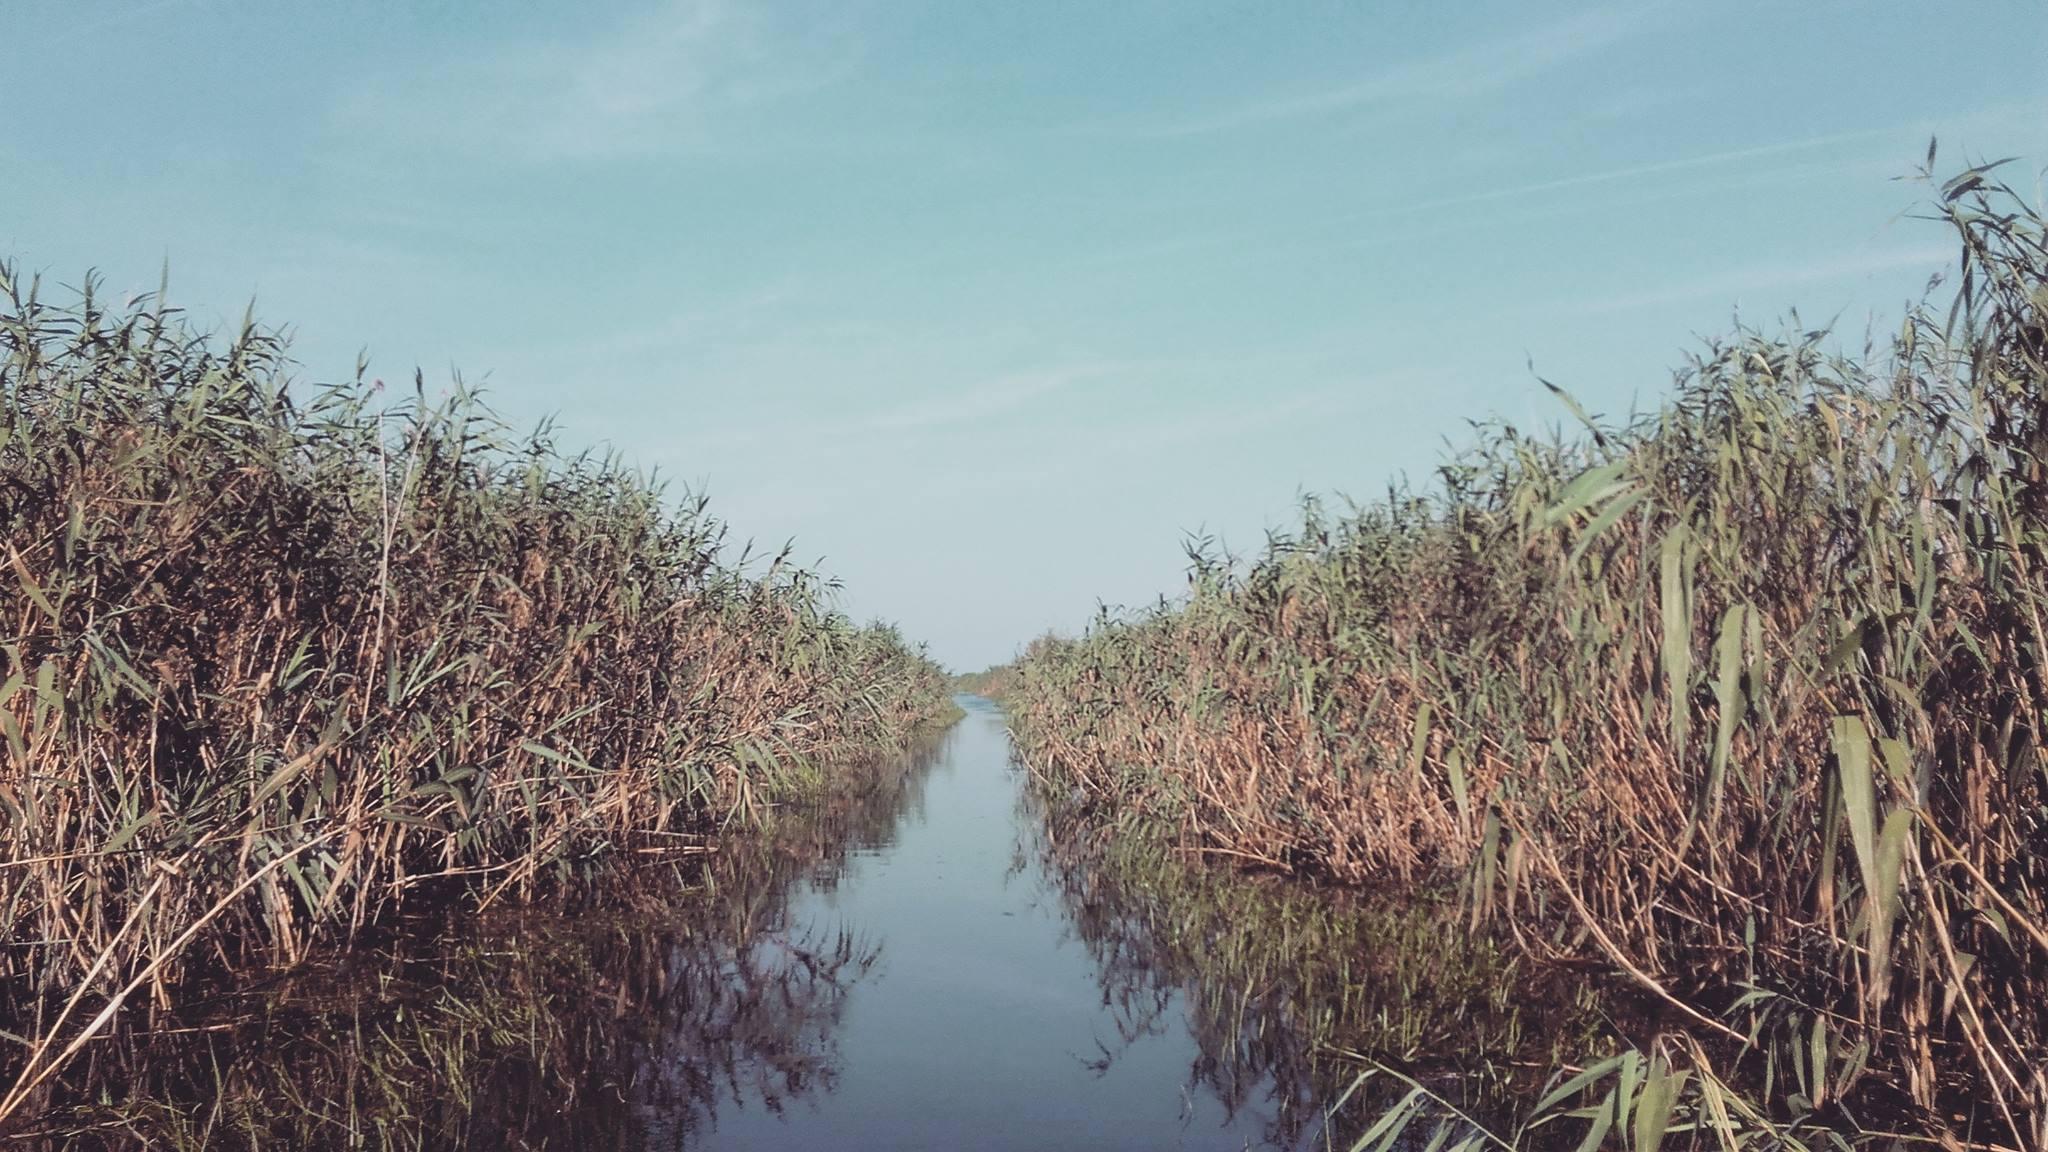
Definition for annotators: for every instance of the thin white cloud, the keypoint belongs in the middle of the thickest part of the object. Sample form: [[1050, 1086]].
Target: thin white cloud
[[1733, 284], [1257, 412], [1902, 142], [1282, 239], [973, 405], [876, 418], [1659, 168], [1447, 76], [669, 77]]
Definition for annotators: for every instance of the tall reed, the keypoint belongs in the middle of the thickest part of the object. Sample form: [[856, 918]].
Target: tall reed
[[277, 660], [1741, 699], [1285, 987], [635, 1019]]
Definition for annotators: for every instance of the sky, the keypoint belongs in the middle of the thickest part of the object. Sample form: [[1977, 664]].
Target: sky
[[988, 306]]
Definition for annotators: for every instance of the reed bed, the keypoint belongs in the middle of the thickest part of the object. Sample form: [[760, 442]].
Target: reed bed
[[1285, 987], [992, 683], [637, 1021], [280, 662], [1740, 700]]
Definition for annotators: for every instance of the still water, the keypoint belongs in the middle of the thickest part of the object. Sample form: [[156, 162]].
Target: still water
[[983, 1021], [926, 958]]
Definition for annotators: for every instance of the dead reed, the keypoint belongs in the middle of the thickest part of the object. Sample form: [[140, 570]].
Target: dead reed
[[1286, 987], [1742, 700], [634, 1016], [277, 661]]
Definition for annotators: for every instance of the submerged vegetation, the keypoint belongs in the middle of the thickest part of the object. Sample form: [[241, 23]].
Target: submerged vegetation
[[1740, 701], [278, 665]]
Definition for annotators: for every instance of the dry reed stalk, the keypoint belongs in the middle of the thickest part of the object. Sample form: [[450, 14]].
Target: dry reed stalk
[[1744, 696], [288, 662]]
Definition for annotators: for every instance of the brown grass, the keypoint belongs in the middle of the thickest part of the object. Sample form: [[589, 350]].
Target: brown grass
[[275, 663], [1742, 699]]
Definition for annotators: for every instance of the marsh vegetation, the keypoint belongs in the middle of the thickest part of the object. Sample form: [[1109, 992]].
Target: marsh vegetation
[[631, 1017], [1670, 780], [281, 664], [1288, 988], [1737, 702]]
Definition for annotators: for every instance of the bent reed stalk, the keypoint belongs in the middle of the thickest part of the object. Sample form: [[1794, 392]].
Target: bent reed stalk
[[1742, 699], [275, 662], [684, 993]]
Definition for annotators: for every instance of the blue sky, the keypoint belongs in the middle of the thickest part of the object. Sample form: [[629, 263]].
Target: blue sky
[[987, 305]]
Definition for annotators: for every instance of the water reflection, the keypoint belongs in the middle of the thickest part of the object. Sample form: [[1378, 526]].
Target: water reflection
[[923, 960], [628, 1024], [1289, 990], [982, 1023]]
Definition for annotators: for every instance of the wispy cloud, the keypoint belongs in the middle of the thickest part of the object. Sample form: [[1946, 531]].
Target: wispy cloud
[[869, 410], [668, 77], [1900, 143], [1014, 392], [1457, 74], [975, 404], [1633, 172], [1285, 238], [1733, 284]]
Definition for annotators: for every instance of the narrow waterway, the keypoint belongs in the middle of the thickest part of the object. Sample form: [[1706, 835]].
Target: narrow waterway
[[984, 1020], [925, 956]]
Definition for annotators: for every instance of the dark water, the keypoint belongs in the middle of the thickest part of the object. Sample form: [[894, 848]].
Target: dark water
[[927, 958]]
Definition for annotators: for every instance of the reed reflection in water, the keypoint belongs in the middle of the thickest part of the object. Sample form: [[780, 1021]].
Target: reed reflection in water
[[930, 959], [1289, 990], [628, 1024]]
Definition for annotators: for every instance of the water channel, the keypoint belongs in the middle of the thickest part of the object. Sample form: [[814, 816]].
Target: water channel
[[929, 959], [983, 1021]]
